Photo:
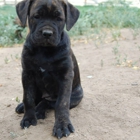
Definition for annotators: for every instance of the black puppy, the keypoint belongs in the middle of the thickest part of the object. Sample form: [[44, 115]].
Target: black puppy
[[50, 75]]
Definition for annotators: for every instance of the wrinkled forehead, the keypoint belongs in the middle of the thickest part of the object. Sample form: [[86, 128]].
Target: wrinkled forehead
[[46, 5]]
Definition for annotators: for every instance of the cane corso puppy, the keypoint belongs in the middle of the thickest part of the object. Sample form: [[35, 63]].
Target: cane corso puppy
[[50, 75]]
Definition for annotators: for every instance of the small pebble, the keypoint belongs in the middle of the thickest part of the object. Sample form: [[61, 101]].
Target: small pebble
[[90, 76], [8, 105]]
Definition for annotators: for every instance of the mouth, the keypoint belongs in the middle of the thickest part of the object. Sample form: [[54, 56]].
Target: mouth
[[47, 43]]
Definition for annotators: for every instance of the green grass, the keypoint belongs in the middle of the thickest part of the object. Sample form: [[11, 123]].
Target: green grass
[[7, 10], [8, 36], [106, 15], [92, 21]]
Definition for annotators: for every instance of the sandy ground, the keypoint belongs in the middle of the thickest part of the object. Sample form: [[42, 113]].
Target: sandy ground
[[110, 109]]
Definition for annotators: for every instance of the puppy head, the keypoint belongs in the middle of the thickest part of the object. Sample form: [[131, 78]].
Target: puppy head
[[46, 19]]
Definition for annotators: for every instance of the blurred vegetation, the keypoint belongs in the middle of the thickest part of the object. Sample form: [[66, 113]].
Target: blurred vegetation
[[8, 28], [110, 15], [7, 10]]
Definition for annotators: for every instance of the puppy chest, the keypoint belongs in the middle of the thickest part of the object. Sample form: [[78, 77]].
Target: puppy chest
[[48, 84], [47, 79], [48, 71], [45, 67]]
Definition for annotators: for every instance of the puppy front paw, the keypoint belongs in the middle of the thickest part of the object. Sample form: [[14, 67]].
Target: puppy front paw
[[27, 121], [63, 129]]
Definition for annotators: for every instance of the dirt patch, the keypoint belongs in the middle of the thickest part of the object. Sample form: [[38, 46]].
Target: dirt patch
[[110, 78]]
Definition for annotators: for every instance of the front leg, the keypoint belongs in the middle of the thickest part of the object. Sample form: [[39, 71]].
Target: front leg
[[63, 126], [29, 90]]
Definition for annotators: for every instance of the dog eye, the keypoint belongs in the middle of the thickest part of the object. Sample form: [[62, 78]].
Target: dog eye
[[56, 13], [36, 16]]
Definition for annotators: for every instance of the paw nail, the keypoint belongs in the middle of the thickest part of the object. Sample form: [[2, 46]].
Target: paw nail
[[72, 131]]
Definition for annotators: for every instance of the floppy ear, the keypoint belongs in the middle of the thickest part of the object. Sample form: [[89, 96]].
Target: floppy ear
[[72, 15], [22, 9]]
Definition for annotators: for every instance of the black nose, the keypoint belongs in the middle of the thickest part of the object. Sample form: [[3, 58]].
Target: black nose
[[47, 33]]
